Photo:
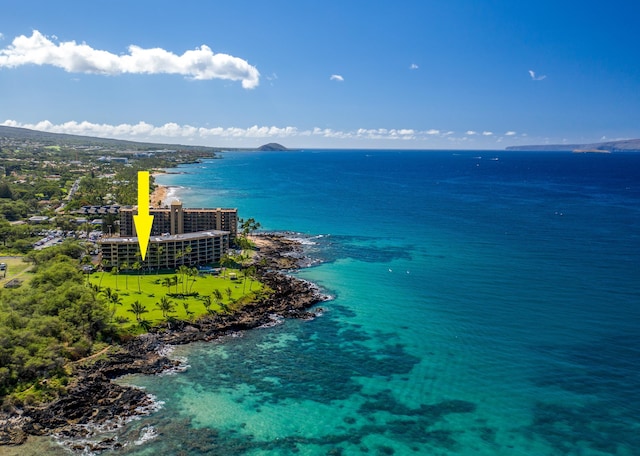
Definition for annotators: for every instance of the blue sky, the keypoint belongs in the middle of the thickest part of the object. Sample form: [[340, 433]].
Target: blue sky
[[455, 74]]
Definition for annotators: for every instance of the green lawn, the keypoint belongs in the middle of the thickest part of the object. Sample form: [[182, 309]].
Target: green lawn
[[16, 268], [152, 290]]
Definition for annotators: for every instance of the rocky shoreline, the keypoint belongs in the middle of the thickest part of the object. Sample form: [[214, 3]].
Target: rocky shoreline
[[95, 401]]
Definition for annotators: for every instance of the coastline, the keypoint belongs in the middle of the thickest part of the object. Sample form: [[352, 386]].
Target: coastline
[[94, 400], [159, 196], [163, 195]]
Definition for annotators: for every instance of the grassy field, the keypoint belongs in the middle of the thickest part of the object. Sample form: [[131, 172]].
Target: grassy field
[[151, 290], [16, 268]]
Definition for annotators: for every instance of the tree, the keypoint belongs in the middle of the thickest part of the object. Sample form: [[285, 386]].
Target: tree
[[137, 309], [189, 313], [228, 291], [187, 252], [5, 230], [206, 301], [123, 267], [5, 190], [225, 308], [103, 265], [159, 250], [249, 226], [193, 273], [115, 270], [145, 324], [167, 282], [226, 261], [183, 271], [108, 293], [251, 273], [166, 306], [115, 301], [179, 255], [137, 266]]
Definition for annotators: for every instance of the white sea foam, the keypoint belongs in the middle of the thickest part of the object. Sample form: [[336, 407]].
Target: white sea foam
[[306, 240], [165, 350], [183, 365], [172, 194], [146, 433], [104, 435], [275, 320]]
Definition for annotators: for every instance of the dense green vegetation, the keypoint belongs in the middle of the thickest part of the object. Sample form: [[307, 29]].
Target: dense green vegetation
[[43, 326]]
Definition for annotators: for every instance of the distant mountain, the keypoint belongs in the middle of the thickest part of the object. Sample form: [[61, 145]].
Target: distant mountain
[[626, 145], [44, 138], [272, 147]]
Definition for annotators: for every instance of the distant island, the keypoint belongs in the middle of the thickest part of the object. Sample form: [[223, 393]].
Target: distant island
[[271, 147], [626, 145]]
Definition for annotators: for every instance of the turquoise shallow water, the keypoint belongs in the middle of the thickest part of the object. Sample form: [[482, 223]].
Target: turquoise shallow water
[[485, 303]]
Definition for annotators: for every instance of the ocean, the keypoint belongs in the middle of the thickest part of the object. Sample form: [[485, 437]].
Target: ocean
[[485, 303]]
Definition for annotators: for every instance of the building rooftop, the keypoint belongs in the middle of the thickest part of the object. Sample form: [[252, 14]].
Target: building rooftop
[[165, 238]]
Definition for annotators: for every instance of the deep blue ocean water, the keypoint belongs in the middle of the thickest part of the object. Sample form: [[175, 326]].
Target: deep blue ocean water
[[486, 303]]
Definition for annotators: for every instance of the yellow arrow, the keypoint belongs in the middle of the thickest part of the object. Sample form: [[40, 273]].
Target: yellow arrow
[[143, 220]]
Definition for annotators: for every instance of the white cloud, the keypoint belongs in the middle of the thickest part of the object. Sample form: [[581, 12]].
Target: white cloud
[[1, 36], [471, 132], [510, 133], [172, 132], [413, 66], [336, 77], [536, 78], [199, 63]]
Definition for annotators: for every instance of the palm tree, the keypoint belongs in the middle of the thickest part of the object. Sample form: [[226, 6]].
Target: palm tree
[[217, 295], [224, 307], [193, 273], [228, 291], [166, 306], [206, 301], [187, 251], [249, 226], [226, 261], [137, 309], [107, 293], [123, 267], [115, 301], [115, 270], [183, 271], [145, 324], [179, 255], [159, 253], [167, 282], [137, 266], [103, 265], [251, 272], [186, 309], [86, 261]]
